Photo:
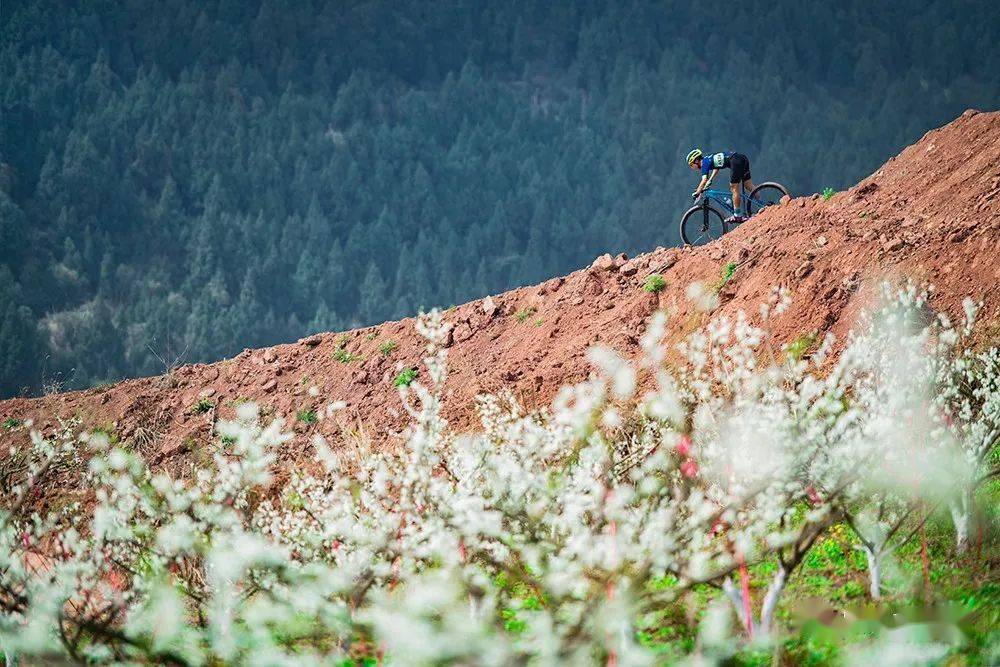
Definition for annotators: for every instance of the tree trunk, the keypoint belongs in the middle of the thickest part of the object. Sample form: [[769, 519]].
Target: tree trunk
[[774, 592], [874, 570], [961, 517], [769, 606], [736, 599]]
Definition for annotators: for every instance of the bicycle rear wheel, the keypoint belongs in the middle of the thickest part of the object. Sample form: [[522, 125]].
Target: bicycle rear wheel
[[764, 195], [701, 225]]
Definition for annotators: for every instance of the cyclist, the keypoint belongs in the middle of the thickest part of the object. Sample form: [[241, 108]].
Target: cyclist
[[709, 166]]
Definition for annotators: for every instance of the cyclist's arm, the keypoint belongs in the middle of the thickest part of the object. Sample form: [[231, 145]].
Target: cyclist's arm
[[705, 182], [711, 177]]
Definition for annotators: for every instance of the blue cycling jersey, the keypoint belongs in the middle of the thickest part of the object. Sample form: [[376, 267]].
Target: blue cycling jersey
[[715, 161]]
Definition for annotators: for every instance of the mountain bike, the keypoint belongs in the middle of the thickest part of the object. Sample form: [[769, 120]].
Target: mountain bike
[[704, 222]]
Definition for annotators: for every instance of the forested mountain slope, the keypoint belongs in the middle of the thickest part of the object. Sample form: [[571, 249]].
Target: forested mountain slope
[[183, 179], [931, 214]]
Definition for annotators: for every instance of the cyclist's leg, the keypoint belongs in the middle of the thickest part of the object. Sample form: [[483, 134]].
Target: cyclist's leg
[[740, 177], [734, 189], [735, 178]]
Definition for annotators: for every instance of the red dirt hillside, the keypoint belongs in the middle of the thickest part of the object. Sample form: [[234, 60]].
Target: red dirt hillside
[[932, 213]]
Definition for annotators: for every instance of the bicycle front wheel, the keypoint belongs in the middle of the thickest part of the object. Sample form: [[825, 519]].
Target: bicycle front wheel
[[701, 225], [764, 195]]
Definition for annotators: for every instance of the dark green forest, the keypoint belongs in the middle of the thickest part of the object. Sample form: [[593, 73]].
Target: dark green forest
[[185, 178]]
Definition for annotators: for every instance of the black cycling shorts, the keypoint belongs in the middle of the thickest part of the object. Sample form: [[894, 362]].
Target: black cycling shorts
[[739, 166]]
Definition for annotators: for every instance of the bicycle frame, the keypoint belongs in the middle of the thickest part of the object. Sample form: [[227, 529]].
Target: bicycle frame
[[723, 199]]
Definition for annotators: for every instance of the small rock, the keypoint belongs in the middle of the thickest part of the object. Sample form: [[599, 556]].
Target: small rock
[[269, 356], [867, 189], [821, 241], [784, 200], [620, 259], [462, 332], [802, 202], [360, 377], [805, 268], [173, 445], [960, 234], [206, 393], [211, 373], [105, 397], [629, 268], [490, 307], [553, 285], [449, 336], [270, 386], [577, 301], [311, 341], [604, 263], [893, 244]]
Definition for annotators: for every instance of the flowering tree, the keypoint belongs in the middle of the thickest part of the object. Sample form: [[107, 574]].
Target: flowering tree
[[545, 536]]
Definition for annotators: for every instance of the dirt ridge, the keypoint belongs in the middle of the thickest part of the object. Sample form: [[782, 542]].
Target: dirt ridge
[[931, 213]]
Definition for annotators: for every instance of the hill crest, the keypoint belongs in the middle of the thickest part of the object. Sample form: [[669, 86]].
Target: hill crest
[[932, 213]]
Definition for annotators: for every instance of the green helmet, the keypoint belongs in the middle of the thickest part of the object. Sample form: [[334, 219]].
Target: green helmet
[[693, 155]]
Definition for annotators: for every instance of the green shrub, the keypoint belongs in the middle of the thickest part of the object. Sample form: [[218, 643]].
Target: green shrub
[[388, 347], [728, 271], [524, 313], [801, 345], [405, 377], [654, 283], [342, 355], [203, 406], [345, 357], [827, 193], [10, 423], [306, 416]]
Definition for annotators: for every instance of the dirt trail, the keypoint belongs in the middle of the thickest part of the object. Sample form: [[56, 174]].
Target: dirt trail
[[932, 213]]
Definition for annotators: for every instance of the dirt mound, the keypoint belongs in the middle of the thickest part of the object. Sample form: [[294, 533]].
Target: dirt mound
[[932, 213]]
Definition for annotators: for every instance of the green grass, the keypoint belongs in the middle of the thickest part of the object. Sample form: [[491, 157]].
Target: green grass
[[405, 377], [342, 355], [727, 273], [802, 345], [372, 335], [203, 406], [306, 416], [827, 193], [345, 357], [523, 314], [10, 423], [834, 574], [388, 347], [108, 430], [654, 283]]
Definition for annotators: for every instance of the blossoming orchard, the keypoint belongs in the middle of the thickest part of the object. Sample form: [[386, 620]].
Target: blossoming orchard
[[655, 493]]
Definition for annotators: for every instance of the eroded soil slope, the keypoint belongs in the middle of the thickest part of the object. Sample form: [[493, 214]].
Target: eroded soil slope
[[932, 214]]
